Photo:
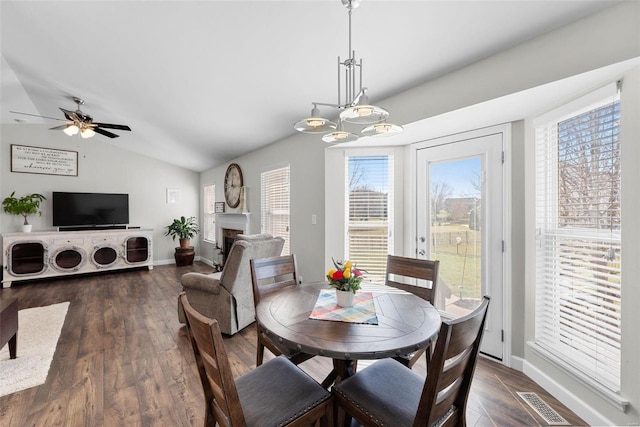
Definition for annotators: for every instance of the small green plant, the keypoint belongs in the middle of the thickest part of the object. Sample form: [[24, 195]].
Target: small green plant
[[25, 206], [184, 229]]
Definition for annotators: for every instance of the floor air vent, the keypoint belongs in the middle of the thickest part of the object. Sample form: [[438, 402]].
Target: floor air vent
[[543, 409]]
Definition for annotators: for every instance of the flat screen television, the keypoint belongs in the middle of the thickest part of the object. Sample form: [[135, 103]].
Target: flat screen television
[[90, 209]]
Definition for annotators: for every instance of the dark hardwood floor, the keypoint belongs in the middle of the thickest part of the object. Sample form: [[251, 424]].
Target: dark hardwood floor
[[123, 359]]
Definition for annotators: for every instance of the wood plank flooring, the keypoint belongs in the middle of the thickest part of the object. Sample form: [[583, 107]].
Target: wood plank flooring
[[123, 359]]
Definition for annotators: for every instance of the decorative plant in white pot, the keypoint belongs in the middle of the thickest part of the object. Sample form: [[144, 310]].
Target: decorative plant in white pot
[[346, 280], [25, 206]]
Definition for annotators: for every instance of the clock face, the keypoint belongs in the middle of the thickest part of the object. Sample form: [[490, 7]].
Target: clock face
[[232, 185]]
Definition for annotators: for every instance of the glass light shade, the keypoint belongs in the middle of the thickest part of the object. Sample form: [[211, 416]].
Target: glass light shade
[[382, 129], [364, 114], [87, 133], [70, 130], [339, 136], [315, 123]]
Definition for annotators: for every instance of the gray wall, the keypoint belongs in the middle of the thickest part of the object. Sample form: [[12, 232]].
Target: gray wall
[[305, 155], [101, 168]]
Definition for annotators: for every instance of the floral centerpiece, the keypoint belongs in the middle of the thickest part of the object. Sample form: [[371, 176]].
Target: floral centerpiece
[[345, 276]]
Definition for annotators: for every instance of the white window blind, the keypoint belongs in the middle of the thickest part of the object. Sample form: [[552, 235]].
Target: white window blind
[[209, 217], [578, 241], [369, 207], [275, 204]]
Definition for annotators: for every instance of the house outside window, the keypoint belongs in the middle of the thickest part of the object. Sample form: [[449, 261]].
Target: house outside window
[[578, 242], [275, 208], [369, 202], [209, 216]]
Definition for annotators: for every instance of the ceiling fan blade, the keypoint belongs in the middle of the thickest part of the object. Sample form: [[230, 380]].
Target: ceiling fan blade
[[59, 127], [36, 115], [70, 115], [105, 132], [112, 126]]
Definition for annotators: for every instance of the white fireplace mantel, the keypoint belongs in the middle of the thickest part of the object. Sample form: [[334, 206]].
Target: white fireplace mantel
[[232, 221]]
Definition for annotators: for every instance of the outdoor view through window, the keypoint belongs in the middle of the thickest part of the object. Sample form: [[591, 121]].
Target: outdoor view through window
[[456, 239]]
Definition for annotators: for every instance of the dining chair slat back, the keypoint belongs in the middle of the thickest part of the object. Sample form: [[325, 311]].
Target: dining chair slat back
[[399, 268], [292, 397], [386, 393], [411, 275], [223, 403], [451, 368], [270, 275]]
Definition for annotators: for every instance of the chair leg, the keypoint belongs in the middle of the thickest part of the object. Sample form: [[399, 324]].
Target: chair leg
[[259, 354], [339, 414], [327, 420]]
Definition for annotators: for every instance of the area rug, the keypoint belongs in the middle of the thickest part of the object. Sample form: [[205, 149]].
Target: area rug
[[38, 332]]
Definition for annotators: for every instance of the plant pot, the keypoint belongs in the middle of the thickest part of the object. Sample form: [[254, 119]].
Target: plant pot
[[345, 298], [26, 228], [184, 243], [184, 256]]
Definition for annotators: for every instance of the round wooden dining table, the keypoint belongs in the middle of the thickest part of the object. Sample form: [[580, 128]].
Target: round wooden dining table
[[406, 323]]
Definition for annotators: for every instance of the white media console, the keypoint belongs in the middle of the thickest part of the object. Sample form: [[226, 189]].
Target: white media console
[[59, 253]]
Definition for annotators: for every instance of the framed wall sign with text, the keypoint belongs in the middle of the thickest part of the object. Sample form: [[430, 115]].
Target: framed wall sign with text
[[219, 207], [47, 161]]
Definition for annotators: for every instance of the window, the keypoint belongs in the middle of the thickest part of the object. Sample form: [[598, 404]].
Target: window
[[275, 204], [578, 241], [209, 217], [369, 206]]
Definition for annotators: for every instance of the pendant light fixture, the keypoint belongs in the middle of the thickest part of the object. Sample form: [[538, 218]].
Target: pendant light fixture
[[356, 108]]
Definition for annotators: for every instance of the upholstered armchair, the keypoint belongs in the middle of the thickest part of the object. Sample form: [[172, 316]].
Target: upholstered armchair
[[228, 296]]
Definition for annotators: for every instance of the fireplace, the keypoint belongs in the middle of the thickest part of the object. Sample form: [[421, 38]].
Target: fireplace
[[228, 236], [228, 226]]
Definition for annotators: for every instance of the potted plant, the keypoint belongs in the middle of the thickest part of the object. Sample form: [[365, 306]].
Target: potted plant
[[345, 278], [25, 206], [184, 229]]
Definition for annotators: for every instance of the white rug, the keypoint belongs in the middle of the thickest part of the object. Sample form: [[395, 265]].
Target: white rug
[[38, 332]]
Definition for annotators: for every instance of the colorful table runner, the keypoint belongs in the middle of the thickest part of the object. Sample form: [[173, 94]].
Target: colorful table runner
[[327, 308]]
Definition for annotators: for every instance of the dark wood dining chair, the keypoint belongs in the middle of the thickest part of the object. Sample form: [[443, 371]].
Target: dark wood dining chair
[[387, 393], [270, 275], [277, 393], [411, 275]]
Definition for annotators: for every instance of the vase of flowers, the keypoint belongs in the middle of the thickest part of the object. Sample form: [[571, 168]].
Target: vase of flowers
[[345, 278]]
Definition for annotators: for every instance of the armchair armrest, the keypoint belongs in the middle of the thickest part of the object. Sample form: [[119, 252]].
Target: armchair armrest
[[202, 282]]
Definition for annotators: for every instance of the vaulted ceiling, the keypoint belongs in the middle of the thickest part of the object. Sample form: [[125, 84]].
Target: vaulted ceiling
[[202, 82]]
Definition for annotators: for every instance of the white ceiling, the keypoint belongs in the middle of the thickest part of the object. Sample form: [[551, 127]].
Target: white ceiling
[[202, 82]]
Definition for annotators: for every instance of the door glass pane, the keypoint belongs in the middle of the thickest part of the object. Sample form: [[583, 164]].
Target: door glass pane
[[456, 232]]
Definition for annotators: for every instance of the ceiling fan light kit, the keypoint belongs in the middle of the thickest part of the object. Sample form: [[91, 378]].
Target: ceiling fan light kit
[[77, 121], [356, 109]]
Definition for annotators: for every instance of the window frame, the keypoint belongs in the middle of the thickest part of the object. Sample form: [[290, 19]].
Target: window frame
[[267, 224], [209, 213], [390, 206], [546, 343]]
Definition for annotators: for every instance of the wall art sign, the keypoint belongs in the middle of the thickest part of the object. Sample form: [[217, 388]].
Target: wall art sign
[[173, 195], [47, 161]]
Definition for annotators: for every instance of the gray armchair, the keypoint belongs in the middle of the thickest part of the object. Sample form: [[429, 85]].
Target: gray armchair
[[228, 296]]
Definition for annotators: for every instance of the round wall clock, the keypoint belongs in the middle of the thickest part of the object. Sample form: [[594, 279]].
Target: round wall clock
[[232, 185]]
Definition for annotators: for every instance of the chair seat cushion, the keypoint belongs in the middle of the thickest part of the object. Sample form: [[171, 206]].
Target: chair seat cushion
[[277, 392], [390, 392]]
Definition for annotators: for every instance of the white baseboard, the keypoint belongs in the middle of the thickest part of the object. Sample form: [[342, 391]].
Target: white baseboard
[[565, 396]]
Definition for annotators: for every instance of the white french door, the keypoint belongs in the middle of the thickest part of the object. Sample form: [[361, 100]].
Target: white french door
[[460, 222]]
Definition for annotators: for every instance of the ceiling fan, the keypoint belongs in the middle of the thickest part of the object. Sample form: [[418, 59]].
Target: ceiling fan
[[77, 121]]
